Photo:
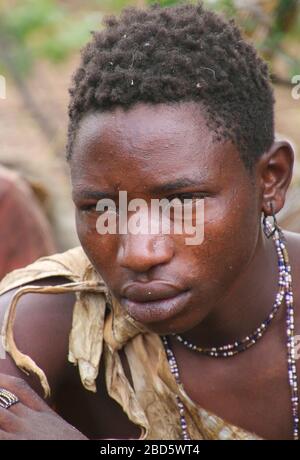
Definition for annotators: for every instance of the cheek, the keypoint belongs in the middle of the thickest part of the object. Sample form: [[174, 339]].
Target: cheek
[[230, 238], [100, 249]]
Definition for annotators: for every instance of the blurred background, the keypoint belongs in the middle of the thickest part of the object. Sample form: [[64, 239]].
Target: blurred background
[[39, 50]]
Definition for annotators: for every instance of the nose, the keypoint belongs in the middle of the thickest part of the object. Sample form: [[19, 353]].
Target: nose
[[139, 253]]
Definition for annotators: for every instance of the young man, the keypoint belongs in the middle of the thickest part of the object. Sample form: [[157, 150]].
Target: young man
[[167, 103]]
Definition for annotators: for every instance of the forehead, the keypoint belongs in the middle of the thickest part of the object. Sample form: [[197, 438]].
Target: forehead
[[152, 141], [145, 124]]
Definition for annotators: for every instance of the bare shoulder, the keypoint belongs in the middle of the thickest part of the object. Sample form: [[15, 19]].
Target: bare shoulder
[[42, 326]]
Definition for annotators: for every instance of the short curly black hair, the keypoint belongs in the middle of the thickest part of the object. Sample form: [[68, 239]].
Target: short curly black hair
[[179, 53]]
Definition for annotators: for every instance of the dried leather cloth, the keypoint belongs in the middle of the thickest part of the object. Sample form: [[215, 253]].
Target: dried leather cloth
[[94, 345]]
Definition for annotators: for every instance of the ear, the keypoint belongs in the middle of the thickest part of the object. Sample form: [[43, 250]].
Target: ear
[[275, 170]]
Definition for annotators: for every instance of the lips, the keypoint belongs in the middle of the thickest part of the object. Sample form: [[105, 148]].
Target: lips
[[153, 302], [151, 291]]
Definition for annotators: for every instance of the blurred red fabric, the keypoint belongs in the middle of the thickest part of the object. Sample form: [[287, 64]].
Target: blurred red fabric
[[25, 233]]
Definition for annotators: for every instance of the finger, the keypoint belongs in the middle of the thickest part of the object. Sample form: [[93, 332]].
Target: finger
[[4, 436], [8, 420], [23, 391], [18, 409]]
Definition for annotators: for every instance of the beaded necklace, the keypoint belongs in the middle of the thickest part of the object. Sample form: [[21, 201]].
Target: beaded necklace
[[285, 293]]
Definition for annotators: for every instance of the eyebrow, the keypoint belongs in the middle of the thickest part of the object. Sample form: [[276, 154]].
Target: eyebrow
[[161, 188], [176, 185], [92, 194]]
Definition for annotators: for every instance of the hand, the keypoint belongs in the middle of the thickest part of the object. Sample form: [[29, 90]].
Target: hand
[[31, 418]]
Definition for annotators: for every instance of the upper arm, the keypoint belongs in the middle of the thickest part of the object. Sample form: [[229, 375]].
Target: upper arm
[[41, 331]]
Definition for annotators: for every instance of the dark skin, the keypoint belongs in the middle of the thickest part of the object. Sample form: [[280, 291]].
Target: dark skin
[[230, 279]]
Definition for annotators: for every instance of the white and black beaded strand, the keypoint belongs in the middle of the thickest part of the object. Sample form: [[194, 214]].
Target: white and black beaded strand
[[175, 372], [290, 332], [226, 351]]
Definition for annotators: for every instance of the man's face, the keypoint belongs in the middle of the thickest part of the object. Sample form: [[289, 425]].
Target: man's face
[[164, 151]]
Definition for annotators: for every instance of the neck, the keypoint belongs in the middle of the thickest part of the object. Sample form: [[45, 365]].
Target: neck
[[247, 304]]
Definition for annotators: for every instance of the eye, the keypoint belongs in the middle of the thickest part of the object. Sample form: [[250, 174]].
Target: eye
[[181, 202], [194, 196], [88, 208], [92, 208]]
